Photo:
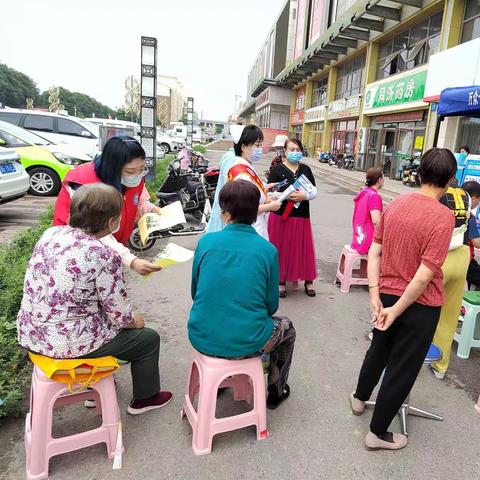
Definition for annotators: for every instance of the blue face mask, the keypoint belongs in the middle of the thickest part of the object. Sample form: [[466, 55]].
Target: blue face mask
[[294, 157], [131, 181], [256, 155]]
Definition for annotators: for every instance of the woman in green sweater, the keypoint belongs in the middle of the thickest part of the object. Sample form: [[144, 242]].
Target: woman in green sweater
[[235, 292]]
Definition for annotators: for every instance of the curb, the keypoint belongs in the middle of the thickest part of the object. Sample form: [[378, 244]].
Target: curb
[[336, 176]]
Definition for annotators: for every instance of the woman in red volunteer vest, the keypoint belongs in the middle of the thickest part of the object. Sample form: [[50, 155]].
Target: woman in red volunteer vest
[[121, 165]]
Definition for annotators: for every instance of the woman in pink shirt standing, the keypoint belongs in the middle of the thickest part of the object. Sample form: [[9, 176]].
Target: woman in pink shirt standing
[[367, 212]]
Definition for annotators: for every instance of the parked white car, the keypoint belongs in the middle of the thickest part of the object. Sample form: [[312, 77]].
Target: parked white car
[[168, 144], [14, 180], [179, 131], [56, 127]]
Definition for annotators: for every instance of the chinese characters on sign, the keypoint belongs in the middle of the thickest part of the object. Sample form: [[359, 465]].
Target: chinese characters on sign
[[296, 118], [408, 88], [315, 114], [345, 107], [473, 98]]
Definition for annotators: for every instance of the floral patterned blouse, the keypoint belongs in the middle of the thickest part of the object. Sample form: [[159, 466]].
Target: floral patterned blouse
[[74, 296]]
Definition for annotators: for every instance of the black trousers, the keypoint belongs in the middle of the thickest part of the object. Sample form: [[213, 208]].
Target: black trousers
[[400, 350], [473, 274], [140, 347]]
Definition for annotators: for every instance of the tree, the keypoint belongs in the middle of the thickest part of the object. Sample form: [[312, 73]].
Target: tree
[[16, 87], [78, 103]]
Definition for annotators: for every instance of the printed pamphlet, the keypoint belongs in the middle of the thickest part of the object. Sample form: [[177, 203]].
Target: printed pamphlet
[[170, 216]]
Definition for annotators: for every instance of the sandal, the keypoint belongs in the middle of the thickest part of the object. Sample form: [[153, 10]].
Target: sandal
[[309, 290], [282, 293]]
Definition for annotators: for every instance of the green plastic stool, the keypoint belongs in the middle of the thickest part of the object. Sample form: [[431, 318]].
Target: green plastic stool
[[470, 333]]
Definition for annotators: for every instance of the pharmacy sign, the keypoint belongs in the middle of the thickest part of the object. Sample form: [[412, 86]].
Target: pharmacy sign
[[407, 89]]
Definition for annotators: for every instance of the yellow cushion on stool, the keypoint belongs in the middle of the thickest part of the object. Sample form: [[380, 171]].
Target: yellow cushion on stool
[[81, 371]]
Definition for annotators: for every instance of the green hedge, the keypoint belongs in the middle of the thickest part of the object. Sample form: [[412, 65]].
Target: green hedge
[[199, 148], [14, 368], [161, 173]]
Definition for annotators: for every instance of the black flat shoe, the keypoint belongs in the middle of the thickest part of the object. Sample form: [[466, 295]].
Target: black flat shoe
[[309, 290], [282, 293], [274, 399]]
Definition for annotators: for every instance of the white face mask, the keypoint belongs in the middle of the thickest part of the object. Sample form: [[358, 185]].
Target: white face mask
[[131, 181]]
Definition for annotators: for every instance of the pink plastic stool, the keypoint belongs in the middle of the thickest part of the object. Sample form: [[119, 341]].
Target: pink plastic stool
[[206, 376], [346, 275], [45, 395]]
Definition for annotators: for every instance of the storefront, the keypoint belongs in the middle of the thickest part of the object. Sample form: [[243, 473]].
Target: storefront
[[298, 116], [344, 115], [398, 123], [296, 121], [315, 120]]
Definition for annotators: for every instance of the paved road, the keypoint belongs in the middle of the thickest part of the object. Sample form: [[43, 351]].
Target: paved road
[[21, 214], [313, 435]]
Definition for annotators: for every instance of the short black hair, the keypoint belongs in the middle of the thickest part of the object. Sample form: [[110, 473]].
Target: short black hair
[[472, 188], [240, 199], [466, 148], [251, 134], [437, 167], [116, 153]]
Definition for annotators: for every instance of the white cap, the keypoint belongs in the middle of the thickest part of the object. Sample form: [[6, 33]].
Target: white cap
[[280, 141], [236, 132]]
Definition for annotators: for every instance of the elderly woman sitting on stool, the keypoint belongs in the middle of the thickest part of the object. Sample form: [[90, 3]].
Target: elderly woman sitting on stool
[[235, 292], [75, 301]]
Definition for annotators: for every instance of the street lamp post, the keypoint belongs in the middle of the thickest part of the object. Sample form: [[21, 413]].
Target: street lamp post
[[189, 122], [148, 103]]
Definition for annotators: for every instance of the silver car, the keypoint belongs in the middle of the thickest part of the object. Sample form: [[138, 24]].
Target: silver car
[[14, 180]]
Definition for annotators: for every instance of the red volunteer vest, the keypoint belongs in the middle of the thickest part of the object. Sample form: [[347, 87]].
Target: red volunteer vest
[[84, 175]]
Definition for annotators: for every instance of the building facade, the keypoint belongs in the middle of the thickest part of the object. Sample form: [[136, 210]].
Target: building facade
[[170, 99], [365, 77], [266, 104]]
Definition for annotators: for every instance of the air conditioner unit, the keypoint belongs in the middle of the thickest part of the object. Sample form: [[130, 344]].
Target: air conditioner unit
[[362, 140]]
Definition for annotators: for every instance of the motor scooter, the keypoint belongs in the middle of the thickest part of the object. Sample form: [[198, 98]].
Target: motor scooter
[[188, 188], [348, 162]]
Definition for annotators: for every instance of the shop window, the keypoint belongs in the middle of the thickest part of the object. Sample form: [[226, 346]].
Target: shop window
[[350, 78], [300, 100], [468, 134], [471, 21], [319, 93], [411, 48]]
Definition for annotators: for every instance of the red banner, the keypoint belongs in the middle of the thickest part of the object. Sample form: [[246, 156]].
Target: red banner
[[297, 118]]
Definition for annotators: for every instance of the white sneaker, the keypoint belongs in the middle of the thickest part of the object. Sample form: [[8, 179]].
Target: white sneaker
[[90, 403], [436, 373]]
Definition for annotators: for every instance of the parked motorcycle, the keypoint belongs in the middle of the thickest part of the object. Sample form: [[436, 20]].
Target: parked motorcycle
[[348, 162], [406, 170], [196, 162], [339, 158], [325, 157], [332, 160], [410, 171], [414, 180], [188, 188]]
